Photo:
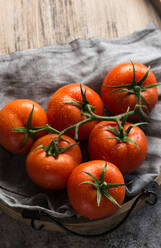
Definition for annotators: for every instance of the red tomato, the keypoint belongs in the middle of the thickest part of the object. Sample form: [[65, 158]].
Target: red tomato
[[125, 155], [62, 115], [122, 74], [83, 197], [52, 172], [15, 115]]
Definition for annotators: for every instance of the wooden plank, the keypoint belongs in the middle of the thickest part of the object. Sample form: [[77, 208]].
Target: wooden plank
[[35, 23], [157, 4]]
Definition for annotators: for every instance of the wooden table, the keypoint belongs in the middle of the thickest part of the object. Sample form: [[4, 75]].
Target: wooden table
[[34, 23]]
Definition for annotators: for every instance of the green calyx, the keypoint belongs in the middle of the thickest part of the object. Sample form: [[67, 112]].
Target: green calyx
[[26, 130], [30, 131], [136, 87], [53, 149], [83, 105], [122, 135], [102, 187]]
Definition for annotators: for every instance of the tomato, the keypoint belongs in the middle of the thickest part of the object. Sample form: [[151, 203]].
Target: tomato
[[118, 102], [127, 156], [49, 171], [83, 196], [64, 115], [14, 115]]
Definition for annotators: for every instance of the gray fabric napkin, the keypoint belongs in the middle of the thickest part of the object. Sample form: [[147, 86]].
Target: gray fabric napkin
[[37, 73]]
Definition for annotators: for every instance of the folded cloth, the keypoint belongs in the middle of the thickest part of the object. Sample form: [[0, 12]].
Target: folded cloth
[[37, 73]]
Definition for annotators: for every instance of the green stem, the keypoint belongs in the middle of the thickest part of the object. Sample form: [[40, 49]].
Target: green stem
[[76, 127], [121, 129], [87, 110], [47, 127], [109, 118], [93, 117], [138, 107]]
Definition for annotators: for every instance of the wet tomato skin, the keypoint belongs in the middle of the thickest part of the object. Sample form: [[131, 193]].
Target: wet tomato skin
[[125, 155], [122, 74], [52, 172], [62, 115], [83, 197], [14, 115]]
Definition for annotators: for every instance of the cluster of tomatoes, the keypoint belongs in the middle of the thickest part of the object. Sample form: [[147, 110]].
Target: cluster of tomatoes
[[116, 147]]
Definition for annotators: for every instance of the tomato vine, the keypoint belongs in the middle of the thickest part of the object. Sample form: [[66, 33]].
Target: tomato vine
[[88, 110]]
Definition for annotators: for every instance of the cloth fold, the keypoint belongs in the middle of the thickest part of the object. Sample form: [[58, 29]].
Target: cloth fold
[[37, 73]]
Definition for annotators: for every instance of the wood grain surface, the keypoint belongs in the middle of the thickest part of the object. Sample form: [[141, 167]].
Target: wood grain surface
[[35, 23]]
